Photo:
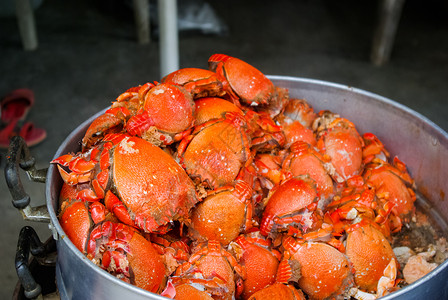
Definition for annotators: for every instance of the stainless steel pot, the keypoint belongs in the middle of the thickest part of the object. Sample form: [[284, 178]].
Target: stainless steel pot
[[421, 144]]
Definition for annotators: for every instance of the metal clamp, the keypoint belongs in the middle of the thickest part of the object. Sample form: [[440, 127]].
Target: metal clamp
[[19, 157], [30, 242]]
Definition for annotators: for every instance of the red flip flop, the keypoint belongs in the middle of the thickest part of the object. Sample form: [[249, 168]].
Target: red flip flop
[[16, 105], [31, 134]]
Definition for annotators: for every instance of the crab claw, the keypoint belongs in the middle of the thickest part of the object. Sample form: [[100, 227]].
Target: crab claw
[[74, 178], [387, 281], [63, 160], [116, 206], [139, 123], [112, 121]]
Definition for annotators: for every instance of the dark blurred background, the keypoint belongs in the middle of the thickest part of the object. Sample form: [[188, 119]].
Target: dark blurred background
[[88, 54]]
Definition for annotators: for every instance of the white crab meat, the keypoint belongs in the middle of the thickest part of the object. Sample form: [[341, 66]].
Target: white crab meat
[[416, 268]]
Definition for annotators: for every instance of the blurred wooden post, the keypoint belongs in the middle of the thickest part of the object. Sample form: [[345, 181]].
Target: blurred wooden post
[[384, 36], [27, 26], [141, 15]]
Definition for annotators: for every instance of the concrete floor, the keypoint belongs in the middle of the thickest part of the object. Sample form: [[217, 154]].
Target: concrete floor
[[88, 55]]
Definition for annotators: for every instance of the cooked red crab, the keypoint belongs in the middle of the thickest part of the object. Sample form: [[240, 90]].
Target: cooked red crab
[[140, 183]]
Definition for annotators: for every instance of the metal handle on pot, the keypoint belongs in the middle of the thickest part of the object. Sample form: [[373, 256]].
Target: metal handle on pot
[[19, 157], [30, 242]]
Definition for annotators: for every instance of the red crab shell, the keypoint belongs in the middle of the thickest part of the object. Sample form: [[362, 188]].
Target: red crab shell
[[324, 271], [156, 112], [213, 108], [259, 260], [303, 160], [300, 110], [297, 120], [213, 268], [77, 217], [168, 107], [394, 182], [151, 184], [278, 291], [187, 291], [198, 82], [76, 222], [223, 215], [123, 252], [370, 252], [67, 192], [339, 140], [115, 247], [216, 151], [292, 203], [139, 182], [242, 80], [294, 131]]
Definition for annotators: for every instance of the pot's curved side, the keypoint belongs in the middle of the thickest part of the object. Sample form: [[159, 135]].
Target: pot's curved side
[[422, 145]]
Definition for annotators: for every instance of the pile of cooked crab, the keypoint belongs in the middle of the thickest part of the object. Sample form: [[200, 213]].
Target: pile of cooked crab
[[215, 184]]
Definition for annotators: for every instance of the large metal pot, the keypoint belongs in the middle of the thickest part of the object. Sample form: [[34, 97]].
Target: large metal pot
[[418, 142]]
